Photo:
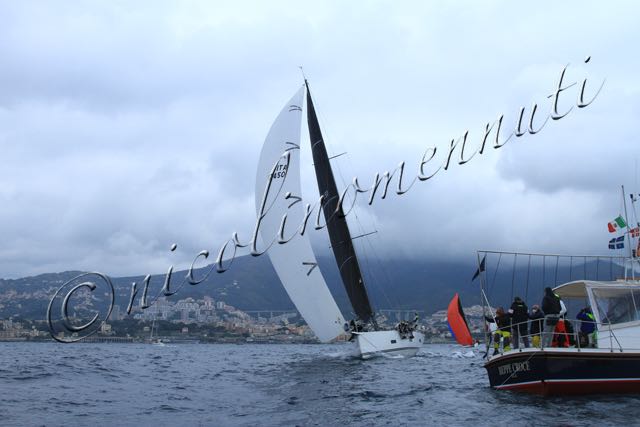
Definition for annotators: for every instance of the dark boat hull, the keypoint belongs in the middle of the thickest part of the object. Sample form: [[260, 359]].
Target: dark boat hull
[[566, 371]]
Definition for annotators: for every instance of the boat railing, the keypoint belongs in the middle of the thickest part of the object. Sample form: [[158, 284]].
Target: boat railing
[[568, 335], [552, 269]]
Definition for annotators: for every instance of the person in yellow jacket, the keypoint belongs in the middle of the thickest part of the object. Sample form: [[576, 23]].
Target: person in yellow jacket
[[503, 332]]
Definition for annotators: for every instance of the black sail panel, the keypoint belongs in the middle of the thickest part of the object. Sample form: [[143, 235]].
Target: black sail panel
[[337, 227]]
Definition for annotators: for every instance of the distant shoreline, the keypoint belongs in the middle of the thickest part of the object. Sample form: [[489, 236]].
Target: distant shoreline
[[124, 340]]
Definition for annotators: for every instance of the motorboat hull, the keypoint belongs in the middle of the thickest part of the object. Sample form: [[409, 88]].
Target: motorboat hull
[[380, 343], [566, 371]]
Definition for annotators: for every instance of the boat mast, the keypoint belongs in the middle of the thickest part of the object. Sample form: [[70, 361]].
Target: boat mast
[[336, 222]]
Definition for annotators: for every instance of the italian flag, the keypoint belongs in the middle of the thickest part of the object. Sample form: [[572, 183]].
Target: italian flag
[[616, 223]]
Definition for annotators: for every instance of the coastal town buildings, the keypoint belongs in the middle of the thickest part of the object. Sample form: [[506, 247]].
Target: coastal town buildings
[[214, 320]]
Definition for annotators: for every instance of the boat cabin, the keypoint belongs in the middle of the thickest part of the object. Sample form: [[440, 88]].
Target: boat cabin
[[615, 306]]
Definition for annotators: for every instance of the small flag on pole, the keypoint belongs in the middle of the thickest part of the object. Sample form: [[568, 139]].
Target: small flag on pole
[[616, 223], [635, 232], [617, 242], [480, 268]]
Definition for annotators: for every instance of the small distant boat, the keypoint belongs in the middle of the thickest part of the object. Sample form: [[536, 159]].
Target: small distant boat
[[156, 341], [458, 322], [295, 262]]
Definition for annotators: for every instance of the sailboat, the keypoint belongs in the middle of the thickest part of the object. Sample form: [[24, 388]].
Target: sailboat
[[278, 199], [158, 341]]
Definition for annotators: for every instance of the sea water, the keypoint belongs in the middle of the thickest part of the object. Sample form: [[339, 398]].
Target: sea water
[[270, 385]]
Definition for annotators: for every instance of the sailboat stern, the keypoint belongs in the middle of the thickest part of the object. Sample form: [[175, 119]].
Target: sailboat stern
[[388, 343]]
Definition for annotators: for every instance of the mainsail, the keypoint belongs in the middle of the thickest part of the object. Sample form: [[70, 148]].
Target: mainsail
[[458, 322], [337, 227], [294, 262]]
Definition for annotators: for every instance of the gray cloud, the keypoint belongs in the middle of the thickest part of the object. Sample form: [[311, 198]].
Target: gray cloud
[[127, 128]]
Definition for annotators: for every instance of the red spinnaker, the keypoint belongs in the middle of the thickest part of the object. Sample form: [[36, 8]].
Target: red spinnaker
[[458, 323]]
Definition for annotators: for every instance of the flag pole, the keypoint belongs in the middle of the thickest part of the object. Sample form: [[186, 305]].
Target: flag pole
[[637, 226], [483, 295], [626, 217]]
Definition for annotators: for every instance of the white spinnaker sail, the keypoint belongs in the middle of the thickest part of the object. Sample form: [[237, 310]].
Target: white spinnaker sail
[[294, 261]]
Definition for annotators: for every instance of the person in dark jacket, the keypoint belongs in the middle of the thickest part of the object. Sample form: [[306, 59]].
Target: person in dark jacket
[[502, 334], [537, 318], [519, 322], [551, 308], [588, 333]]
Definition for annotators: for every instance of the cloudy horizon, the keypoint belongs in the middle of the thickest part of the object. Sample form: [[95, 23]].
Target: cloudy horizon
[[127, 128]]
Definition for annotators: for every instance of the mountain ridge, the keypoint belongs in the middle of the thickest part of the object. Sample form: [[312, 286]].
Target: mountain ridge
[[252, 284]]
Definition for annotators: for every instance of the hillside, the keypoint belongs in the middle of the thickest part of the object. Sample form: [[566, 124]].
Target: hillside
[[251, 284]]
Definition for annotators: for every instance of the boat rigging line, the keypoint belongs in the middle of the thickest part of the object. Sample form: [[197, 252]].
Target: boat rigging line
[[364, 255]]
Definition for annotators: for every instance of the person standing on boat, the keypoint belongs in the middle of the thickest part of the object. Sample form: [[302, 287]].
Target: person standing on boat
[[551, 308], [587, 327], [519, 313], [503, 334], [562, 333], [536, 317]]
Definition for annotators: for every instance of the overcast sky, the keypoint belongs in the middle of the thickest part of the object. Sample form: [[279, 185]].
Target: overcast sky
[[126, 127]]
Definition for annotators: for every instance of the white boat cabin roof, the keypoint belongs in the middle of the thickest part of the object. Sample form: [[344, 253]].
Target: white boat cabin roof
[[578, 288]]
